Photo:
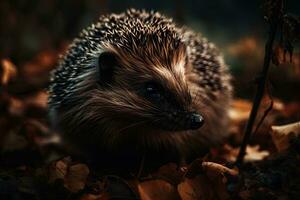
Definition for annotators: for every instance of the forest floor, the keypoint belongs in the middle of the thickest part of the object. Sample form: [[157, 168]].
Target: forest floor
[[31, 166]]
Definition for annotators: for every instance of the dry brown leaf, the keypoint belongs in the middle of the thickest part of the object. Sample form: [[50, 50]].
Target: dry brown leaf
[[216, 173], [281, 135], [9, 71], [58, 170], [195, 188], [76, 177], [157, 189], [213, 169], [211, 184]]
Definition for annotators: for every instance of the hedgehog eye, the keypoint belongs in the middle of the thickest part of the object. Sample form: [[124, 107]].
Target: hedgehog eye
[[107, 61], [153, 91]]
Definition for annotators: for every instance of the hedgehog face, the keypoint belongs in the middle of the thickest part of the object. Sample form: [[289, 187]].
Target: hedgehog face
[[173, 115], [154, 92]]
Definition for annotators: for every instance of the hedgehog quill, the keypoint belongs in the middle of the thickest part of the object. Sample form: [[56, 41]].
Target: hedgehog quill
[[135, 85]]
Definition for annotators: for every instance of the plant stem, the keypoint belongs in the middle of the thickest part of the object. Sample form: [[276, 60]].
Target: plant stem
[[259, 92]]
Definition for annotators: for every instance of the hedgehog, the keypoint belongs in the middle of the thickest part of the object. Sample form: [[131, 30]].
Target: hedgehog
[[136, 86]]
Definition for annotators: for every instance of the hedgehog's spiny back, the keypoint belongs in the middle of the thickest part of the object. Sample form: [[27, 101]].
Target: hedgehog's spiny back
[[131, 31]]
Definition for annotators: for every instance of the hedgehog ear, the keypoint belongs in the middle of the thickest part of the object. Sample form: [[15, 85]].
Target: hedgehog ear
[[107, 62]]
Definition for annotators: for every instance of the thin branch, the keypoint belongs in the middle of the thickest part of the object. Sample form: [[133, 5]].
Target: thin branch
[[260, 89], [266, 112], [263, 117]]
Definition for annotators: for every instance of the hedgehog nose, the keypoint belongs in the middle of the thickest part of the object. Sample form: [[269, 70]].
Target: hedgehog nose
[[196, 121]]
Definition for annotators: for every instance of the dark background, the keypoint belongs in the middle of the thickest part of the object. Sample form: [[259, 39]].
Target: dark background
[[34, 32]]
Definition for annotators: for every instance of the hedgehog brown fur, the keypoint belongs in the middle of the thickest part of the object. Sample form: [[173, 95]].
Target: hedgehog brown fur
[[101, 101]]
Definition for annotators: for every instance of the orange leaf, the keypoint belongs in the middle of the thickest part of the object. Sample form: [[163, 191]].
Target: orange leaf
[[9, 71]]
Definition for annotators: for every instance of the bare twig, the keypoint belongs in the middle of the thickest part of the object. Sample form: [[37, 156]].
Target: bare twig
[[274, 22], [266, 112], [263, 117]]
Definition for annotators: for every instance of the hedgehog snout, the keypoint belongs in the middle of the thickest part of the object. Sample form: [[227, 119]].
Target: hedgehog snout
[[183, 121], [190, 120]]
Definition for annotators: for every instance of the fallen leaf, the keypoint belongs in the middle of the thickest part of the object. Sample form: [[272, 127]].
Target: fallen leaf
[[157, 189], [9, 71], [58, 170], [281, 135], [210, 183], [195, 188], [76, 177], [73, 175], [213, 169]]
